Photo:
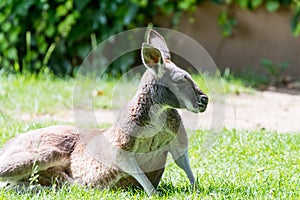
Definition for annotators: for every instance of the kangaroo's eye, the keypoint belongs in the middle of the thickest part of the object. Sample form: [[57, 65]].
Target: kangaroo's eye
[[180, 81], [179, 78]]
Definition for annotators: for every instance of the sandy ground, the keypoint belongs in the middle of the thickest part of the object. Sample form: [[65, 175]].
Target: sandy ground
[[262, 110]]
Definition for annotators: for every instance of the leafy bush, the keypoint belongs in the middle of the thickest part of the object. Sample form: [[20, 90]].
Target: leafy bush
[[228, 22], [296, 18], [41, 36], [37, 34], [274, 70]]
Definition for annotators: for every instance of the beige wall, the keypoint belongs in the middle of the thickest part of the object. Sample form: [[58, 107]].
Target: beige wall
[[259, 35]]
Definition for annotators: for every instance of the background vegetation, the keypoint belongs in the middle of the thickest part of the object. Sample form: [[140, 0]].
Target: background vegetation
[[41, 36]]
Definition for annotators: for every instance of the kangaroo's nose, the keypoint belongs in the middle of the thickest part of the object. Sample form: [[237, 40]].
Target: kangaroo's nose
[[204, 99]]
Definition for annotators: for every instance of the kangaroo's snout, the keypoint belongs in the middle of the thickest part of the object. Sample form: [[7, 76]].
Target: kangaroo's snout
[[201, 103], [204, 99]]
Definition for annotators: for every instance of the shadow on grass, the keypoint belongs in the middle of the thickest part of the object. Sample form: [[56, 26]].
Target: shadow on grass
[[169, 188]]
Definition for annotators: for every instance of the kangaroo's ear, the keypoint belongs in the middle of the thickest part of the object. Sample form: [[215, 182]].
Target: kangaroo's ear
[[152, 59], [156, 40]]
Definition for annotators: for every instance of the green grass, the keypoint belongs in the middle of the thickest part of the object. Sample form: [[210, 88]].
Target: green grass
[[41, 95], [239, 165], [35, 94]]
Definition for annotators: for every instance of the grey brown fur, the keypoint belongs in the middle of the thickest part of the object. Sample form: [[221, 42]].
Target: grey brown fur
[[133, 151]]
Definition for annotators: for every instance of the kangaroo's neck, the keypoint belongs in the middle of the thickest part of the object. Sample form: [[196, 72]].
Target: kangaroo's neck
[[148, 106], [144, 105]]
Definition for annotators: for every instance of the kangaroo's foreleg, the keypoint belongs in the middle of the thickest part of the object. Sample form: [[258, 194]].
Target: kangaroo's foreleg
[[127, 162], [184, 163], [179, 151]]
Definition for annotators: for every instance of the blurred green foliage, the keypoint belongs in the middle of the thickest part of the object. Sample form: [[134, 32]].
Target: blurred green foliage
[[228, 22], [270, 5], [38, 36], [274, 70], [42, 36], [296, 18]]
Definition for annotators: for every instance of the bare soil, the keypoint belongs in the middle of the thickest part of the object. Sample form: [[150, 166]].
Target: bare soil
[[277, 111]]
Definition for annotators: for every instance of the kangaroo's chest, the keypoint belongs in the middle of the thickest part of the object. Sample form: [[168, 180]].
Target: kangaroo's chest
[[150, 142]]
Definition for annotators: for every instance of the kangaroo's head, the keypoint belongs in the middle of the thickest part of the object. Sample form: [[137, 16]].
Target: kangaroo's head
[[173, 86]]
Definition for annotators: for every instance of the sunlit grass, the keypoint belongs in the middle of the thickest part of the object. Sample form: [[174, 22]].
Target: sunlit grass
[[35, 94], [40, 95], [236, 165]]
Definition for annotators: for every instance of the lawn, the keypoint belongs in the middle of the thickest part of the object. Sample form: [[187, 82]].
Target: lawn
[[240, 165], [236, 165], [46, 94]]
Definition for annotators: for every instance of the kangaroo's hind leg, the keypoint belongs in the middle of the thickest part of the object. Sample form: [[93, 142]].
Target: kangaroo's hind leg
[[19, 167], [57, 175], [36, 152]]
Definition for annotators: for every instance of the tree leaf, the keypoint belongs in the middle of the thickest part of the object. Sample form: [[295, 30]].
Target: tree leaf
[[131, 13], [79, 4], [272, 6], [12, 53], [256, 3], [243, 3]]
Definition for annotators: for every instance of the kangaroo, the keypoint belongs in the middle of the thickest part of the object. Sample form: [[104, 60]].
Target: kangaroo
[[133, 151]]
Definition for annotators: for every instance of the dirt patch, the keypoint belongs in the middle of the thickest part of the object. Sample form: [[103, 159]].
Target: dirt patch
[[262, 110]]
